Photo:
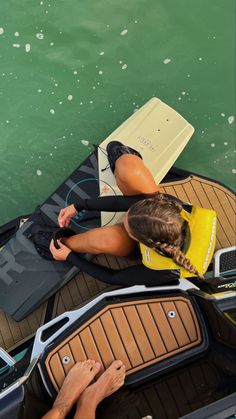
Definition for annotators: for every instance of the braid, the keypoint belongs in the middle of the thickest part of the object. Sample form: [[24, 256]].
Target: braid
[[178, 257]]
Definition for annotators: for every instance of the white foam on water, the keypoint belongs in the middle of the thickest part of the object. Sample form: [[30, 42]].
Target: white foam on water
[[41, 3], [225, 143], [230, 119], [39, 35], [213, 145], [100, 72], [120, 62], [52, 111], [75, 72], [135, 21], [69, 97], [91, 101], [94, 87], [167, 61], [16, 45], [52, 44], [233, 170], [179, 98], [27, 47], [124, 32], [124, 66], [226, 156], [39, 90], [223, 114], [81, 103], [188, 75], [16, 34], [183, 93], [85, 142], [39, 172], [1, 31], [7, 121], [101, 53], [200, 58], [56, 84], [60, 103]]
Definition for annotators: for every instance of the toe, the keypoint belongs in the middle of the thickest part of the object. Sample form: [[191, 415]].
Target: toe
[[117, 364], [96, 367]]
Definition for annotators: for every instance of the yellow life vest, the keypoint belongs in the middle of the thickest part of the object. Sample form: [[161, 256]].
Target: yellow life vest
[[199, 243]]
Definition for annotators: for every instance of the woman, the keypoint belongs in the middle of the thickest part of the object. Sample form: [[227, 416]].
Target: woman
[[155, 220]]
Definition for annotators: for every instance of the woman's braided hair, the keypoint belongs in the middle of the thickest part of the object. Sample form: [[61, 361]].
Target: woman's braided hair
[[156, 222]]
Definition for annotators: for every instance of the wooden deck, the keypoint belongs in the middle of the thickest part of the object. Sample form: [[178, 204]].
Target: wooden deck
[[141, 333], [82, 288]]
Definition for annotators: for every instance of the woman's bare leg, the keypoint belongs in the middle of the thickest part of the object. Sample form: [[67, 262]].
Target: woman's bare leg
[[109, 382], [78, 378], [112, 240], [133, 177]]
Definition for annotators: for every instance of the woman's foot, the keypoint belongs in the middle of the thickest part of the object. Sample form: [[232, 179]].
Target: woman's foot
[[109, 382], [116, 149], [78, 378]]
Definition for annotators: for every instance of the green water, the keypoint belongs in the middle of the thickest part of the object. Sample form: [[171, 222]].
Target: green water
[[72, 71]]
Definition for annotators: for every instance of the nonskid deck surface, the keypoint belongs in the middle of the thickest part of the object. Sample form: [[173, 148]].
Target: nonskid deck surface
[[140, 333], [194, 189], [174, 395]]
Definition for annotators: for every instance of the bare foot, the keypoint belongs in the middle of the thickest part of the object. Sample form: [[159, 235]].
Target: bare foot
[[109, 382], [78, 378]]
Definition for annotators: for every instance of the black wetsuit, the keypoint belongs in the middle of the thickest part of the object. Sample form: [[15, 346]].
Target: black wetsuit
[[133, 275]]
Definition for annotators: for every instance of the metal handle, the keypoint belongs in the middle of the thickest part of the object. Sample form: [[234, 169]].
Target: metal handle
[[71, 316]]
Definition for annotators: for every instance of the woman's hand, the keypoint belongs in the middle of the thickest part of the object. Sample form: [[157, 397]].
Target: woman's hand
[[59, 254], [66, 214]]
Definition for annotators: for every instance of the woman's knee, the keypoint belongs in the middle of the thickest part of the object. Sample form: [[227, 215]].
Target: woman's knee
[[128, 167], [112, 240]]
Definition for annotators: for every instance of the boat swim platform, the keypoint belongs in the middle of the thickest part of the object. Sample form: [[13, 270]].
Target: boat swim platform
[[141, 331], [195, 189]]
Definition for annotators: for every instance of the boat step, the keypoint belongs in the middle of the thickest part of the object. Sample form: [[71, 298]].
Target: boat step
[[145, 333]]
